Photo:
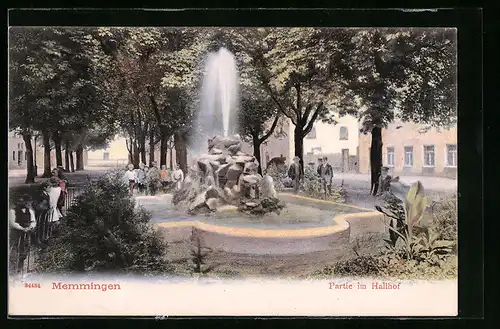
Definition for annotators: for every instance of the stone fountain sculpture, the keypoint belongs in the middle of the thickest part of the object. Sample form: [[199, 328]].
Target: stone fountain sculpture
[[227, 176]]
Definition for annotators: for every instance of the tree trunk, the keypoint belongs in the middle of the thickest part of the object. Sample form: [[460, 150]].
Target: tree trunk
[[151, 147], [180, 151], [298, 142], [142, 146], [79, 158], [30, 168], [35, 166], [256, 152], [171, 161], [66, 156], [376, 158], [56, 138], [136, 156], [163, 151], [129, 144], [46, 155], [72, 161]]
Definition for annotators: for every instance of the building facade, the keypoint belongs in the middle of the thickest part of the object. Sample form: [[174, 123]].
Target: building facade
[[18, 156], [17, 152], [339, 143], [409, 150], [115, 155]]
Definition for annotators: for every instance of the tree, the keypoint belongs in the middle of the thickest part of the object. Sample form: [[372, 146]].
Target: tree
[[393, 73], [57, 87], [159, 69], [258, 119], [293, 69]]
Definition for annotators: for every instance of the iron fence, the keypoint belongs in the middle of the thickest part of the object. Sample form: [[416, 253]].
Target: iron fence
[[22, 247], [72, 193]]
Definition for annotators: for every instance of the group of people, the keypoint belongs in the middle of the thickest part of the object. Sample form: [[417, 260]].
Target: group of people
[[32, 219], [324, 171], [148, 180]]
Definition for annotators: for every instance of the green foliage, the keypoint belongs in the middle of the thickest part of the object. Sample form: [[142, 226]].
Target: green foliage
[[279, 174], [57, 85], [418, 243], [314, 188], [199, 253], [408, 74], [358, 266], [104, 232], [444, 218]]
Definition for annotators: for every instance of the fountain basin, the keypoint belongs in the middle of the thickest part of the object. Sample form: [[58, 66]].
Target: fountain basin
[[232, 232]]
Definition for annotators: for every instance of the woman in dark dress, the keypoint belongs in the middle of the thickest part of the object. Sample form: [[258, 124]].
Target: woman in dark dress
[[63, 183]]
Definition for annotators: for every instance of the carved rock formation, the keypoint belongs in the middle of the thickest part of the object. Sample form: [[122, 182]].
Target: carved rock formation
[[225, 175]]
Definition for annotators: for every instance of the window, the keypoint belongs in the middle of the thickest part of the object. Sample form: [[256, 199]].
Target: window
[[14, 155], [429, 156], [408, 156], [18, 146], [451, 155], [344, 133], [312, 134], [22, 146], [105, 156], [25, 156], [390, 156]]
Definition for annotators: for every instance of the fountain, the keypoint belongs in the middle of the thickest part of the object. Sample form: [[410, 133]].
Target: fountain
[[230, 206], [226, 175], [219, 99]]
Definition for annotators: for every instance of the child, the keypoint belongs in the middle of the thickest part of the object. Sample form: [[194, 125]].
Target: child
[[130, 176], [164, 177], [140, 178], [178, 176]]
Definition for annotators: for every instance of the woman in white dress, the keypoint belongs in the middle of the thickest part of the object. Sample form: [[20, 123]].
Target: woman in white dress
[[178, 176], [52, 214]]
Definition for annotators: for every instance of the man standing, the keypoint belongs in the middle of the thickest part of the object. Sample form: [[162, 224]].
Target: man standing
[[320, 166], [153, 178], [22, 221], [295, 173], [327, 176]]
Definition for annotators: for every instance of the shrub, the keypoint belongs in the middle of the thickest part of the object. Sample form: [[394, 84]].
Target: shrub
[[411, 237], [313, 187], [358, 266], [104, 232], [444, 218], [279, 174]]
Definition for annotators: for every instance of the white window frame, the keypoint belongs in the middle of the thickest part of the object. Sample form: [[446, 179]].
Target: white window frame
[[434, 157], [346, 133], [393, 156], [412, 157], [446, 156]]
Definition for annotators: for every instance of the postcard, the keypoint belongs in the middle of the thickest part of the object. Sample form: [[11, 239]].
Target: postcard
[[232, 171]]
